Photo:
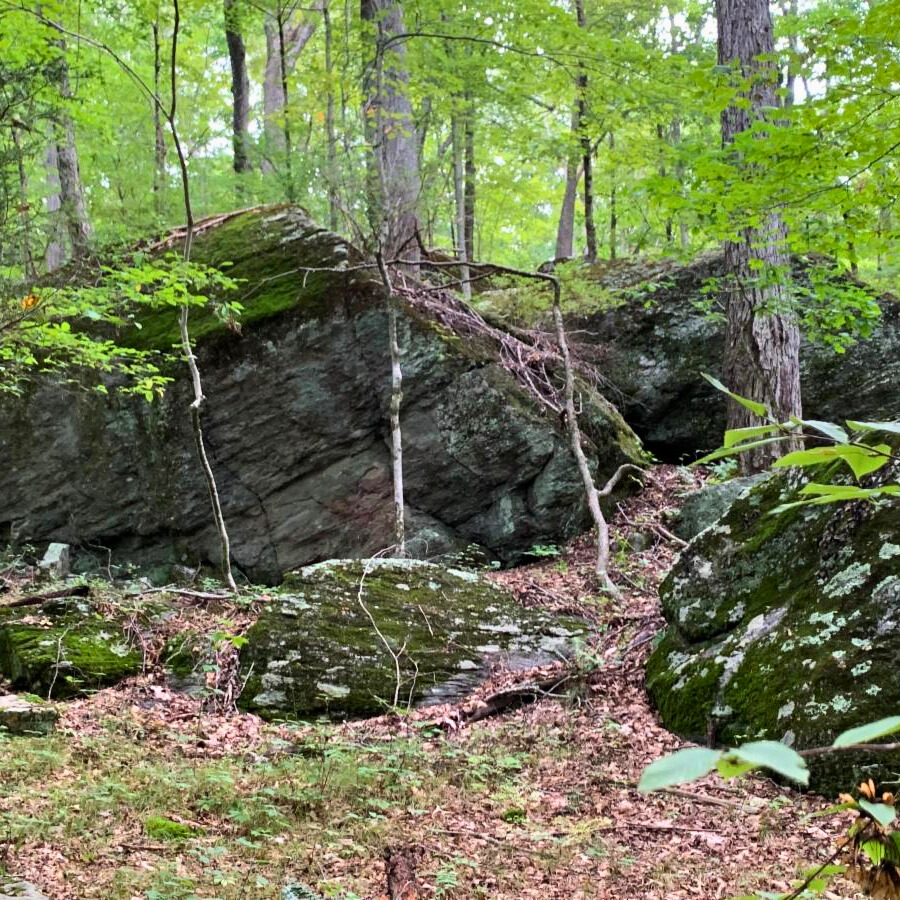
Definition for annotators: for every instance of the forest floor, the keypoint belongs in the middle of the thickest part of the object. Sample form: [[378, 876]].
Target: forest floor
[[142, 793]]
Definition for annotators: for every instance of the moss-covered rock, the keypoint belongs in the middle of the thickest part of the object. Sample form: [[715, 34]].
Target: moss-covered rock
[[320, 648], [63, 654], [655, 328], [784, 627], [296, 427]]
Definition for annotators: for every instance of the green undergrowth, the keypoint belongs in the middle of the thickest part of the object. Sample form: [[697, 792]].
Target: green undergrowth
[[137, 816]]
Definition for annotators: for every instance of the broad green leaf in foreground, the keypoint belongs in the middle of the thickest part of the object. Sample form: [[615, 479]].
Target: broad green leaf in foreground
[[880, 812], [685, 765], [776, 756], [863, 733]]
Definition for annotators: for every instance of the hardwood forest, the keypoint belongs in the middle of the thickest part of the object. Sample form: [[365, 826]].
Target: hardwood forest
[[449, 450]]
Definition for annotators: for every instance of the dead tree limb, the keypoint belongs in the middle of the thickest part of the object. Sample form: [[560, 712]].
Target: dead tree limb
[[80, 590]]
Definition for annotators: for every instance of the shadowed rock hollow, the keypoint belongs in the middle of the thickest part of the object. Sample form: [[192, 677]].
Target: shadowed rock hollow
[[653, 336], [296, 426]]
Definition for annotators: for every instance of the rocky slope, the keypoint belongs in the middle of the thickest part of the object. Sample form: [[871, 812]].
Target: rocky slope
[[295, 422]]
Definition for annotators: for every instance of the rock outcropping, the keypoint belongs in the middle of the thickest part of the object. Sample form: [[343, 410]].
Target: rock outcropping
[[784, 627], [657, 339], [322, 647], [295, 423]]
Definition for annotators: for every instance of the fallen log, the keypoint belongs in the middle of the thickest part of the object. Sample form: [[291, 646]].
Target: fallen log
[[79, 590]]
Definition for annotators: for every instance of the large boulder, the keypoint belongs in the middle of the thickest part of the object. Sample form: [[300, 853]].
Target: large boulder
[[344, 632], [657, 327], [784, 627], [296, 427]]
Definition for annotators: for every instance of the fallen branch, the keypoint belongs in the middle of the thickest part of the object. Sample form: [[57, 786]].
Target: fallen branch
[[513, 698], [79, 590]]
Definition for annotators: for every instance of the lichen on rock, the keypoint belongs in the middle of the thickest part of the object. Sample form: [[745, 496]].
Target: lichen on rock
[[339, 633], [783, 627]]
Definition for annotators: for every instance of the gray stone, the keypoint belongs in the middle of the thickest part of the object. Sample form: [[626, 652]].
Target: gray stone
[[784, 627], [21, 715], [706, 506], [10, 889], [296, 427], [317, 650], [57, 561]]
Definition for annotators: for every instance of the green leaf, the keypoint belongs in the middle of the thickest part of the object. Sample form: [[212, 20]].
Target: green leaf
[[734, 451], [864, 460], [678, 768], [829, 429], [864, 733], [812, 457], [875, 850], [756, 408], [776, 756], [880, 812], [887, 427], [735, 435], [731, 768]]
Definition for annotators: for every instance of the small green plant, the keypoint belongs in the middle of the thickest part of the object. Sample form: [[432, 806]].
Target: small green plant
[[543, 551]]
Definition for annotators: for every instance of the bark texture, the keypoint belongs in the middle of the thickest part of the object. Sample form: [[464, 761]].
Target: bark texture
[[240, 89], [285, 41], [394, 179], [70, 204], [762, 338]]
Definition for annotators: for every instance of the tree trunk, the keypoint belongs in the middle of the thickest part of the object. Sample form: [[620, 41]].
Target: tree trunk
[[329, 125], [565, 230], [462, 234], [613, 210], [587, 161], [394, 167], [470, 177], [72, 206], [159, 150], [55, 252], [284, 44], [762, 338], [240, 90], [661, 138], [24, 207]]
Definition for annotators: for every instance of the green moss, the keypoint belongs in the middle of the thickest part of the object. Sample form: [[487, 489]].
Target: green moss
[[265, 251], [686, 698], [162, 829], [318, 651], [67, 658]]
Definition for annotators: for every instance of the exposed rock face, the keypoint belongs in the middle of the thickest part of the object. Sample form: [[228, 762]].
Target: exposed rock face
[[785, 627], [655, 345], [706, 506], [295, 422], [316, 649], [23, 715]]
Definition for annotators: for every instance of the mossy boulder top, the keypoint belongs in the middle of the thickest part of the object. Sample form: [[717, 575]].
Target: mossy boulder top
[[349, 638], [64, 649], [784, 627], [296, 428]]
